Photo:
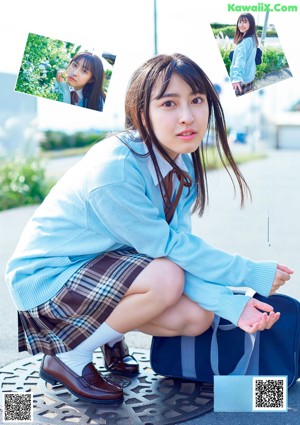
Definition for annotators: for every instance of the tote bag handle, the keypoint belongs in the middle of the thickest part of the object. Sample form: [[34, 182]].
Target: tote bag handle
[[248, 363]]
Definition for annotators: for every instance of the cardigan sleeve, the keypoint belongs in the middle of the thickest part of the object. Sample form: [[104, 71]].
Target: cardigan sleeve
[[131, 217], [217, 298], [63, 89]]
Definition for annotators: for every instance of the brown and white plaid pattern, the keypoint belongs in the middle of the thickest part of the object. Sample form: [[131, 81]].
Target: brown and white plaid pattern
[[82, 305], [245, 88]]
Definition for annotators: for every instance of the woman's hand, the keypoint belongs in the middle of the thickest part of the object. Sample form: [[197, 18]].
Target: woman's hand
[[257, 316], [237, 86], [59, 76], [281, 277]]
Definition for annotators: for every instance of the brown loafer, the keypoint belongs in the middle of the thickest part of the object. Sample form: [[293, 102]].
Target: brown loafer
[[91, 386], [117, 359]]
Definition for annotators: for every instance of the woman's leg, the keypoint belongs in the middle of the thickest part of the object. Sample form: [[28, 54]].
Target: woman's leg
[[184, 318], [158, 287]]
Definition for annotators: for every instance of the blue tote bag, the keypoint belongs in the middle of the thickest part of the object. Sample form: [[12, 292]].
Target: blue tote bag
[[225, 349]]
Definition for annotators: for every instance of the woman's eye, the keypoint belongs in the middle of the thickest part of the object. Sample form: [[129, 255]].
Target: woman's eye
[[169, 103], [197, 100]]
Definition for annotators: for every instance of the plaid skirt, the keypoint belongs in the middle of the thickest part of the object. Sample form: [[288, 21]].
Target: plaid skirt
[[81, 306], [245, 88]]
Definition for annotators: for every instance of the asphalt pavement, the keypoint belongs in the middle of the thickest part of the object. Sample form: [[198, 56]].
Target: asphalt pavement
[[268, 228]]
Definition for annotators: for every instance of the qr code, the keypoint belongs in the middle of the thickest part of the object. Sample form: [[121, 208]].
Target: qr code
[[17, 407], [270, 393]]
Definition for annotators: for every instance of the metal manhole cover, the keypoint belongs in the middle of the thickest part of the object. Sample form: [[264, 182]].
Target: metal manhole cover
[[149, 398]]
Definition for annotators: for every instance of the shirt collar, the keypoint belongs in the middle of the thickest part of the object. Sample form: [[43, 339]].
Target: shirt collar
[[79, 92], [164, 166]]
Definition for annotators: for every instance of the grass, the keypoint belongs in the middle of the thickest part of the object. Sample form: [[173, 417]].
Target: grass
[[213, 161], [64, 153]]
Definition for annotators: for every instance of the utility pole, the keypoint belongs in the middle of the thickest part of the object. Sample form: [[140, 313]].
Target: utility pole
[[264, 31], [155, 27]]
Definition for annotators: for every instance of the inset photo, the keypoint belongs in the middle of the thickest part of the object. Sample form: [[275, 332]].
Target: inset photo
[[65, 72], [251, 52]]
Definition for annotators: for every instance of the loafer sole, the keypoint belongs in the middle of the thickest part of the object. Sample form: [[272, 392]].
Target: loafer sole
[[53, 381], [122, 373]]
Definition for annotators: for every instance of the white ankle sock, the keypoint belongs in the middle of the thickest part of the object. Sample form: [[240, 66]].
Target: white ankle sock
[[115, 340], [75, 360], [81, 355]]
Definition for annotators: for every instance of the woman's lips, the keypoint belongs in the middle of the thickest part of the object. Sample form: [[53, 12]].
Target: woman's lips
[[187, 135]]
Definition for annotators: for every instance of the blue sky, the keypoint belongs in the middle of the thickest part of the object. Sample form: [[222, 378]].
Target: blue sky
[[125, 27]]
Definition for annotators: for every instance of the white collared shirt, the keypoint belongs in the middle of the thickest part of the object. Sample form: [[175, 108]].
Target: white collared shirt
[[79, 93], [164, 166]]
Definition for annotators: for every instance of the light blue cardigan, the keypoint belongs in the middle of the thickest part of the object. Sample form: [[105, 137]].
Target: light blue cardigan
[[63, 88], [108, 201], [243, 66]]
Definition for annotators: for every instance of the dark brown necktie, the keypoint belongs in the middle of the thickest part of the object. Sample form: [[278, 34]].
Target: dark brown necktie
[[74, 97], [170, 206]]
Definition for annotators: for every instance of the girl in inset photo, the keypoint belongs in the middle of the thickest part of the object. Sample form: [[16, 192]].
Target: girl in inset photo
[[82, 84], [243, 67]]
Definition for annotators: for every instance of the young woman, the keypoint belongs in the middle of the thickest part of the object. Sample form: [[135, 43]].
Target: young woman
[[111, 249], [243, 68], [82, 83]]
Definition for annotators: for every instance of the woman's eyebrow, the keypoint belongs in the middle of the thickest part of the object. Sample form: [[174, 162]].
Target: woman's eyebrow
[[168, 95]]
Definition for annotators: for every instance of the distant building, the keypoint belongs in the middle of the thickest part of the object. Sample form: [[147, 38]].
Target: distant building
[[18, 118], [288, 130]]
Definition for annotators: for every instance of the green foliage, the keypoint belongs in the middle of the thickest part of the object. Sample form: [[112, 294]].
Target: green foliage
[[107, 77], [228, 31], [273, 59], [269, 33], [43, 57], [216, 25], [57, 140], [22, 182], [225, 56], [262, 69]]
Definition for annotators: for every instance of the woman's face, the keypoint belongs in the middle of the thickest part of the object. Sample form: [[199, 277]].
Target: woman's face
[[78, 75], [179, 118], [243, 25]]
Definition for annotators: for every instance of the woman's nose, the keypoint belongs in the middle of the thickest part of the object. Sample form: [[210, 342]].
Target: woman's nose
[[186, 115]]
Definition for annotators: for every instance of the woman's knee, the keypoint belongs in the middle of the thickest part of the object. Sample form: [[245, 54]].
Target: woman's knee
[[169, 283], [196, 320], [162, 280]]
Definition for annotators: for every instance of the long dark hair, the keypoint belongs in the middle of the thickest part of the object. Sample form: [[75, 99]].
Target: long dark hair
[[93, 91], [239, 36], [137, 118]]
